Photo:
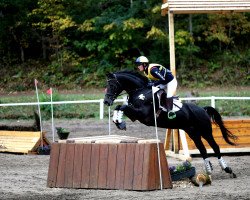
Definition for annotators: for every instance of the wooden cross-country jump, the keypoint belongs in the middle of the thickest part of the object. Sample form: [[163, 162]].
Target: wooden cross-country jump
[[25, 142], [108, 162]]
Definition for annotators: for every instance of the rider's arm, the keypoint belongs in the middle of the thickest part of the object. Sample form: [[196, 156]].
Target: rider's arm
[[156, 73], [163, 79]]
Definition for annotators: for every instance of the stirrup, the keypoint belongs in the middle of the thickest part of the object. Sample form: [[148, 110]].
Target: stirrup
[[171, 114]]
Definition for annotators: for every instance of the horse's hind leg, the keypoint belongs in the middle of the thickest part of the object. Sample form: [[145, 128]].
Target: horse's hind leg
[[196, 137], [207, 135]]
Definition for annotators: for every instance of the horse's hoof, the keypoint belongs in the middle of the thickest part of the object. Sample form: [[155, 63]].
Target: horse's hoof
[[233, 175], [228, 170], [121, 126]]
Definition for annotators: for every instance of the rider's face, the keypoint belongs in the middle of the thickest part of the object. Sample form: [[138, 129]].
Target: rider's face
[[140, 67]]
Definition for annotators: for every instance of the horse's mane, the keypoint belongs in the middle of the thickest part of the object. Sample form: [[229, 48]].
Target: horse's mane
[[133, 73]]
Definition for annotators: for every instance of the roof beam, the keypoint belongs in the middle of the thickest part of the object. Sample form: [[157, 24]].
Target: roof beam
[[204, 6]]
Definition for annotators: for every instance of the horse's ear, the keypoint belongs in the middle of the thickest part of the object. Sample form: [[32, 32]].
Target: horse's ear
[[110, 75]]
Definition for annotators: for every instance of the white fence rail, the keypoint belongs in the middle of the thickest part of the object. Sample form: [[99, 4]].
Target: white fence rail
[[123, 100]]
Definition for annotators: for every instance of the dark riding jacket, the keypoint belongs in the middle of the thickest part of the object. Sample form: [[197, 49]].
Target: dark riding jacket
[[158, 74]]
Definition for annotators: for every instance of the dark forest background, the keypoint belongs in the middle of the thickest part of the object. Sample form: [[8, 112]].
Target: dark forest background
[[74, 43]]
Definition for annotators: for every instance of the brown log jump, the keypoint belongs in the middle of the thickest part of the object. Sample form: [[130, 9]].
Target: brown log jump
[[110, 162]]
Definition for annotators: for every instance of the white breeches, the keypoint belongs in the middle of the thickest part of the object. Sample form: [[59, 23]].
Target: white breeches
[[170, 87]]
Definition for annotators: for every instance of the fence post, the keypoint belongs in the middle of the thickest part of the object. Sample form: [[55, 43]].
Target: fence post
[[125, 98], [101, 109], [213, 101]]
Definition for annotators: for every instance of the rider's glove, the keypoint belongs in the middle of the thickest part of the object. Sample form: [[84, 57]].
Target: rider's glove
[[150, 84], [160, 86]]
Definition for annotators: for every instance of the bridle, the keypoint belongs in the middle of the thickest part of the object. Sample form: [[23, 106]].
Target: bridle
[[114, 86]]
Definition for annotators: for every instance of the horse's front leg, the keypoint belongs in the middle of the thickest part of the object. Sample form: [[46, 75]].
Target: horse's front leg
[[117, 118], [130, 112]]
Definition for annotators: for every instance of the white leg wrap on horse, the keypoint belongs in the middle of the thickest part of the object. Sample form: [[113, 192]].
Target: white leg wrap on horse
[[115, 116], [222, 163], [208, 167], [119, 116]]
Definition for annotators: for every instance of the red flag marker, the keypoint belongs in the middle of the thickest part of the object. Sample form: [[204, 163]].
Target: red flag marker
[[49, 91]]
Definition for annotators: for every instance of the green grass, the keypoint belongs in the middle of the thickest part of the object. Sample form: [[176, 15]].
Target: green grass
[[227, 108]]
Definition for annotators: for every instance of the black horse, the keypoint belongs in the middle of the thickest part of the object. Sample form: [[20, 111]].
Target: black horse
[[194, 120]]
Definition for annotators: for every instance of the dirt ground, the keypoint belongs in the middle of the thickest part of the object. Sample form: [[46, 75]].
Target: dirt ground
[[25, 176]]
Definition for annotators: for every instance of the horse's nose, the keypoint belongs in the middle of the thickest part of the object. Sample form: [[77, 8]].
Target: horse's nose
[[106, 102]]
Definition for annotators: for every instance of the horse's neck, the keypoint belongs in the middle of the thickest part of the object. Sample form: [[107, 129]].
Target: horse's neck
[[130, 83]]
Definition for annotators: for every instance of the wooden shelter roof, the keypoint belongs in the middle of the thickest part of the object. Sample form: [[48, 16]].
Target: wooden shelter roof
[[204, 6]]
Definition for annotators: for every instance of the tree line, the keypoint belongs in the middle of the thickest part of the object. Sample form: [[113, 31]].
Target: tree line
[[69, 43]]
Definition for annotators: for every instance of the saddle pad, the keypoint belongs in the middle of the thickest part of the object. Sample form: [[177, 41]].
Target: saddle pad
[[177, 105]]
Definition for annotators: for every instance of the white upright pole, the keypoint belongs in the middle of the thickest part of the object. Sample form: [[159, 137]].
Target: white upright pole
[[52, 114], [184, 143], [109, 122], [39, 113], [171, 42], [155, 89], [101, 109]]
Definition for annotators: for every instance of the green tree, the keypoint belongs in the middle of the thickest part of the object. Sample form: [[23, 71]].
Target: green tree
[[16, 35], [68, 42], [52, 22]]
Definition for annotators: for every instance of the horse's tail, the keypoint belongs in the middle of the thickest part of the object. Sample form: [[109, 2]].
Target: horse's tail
[[216, 117]]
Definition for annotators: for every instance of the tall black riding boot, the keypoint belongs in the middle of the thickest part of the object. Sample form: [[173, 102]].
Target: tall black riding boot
[[169, 103]]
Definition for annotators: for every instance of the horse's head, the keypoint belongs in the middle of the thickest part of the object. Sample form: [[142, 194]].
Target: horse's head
[[113, 89], [123, 80]]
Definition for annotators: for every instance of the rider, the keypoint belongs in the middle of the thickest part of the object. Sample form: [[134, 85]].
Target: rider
[[158, 76]]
